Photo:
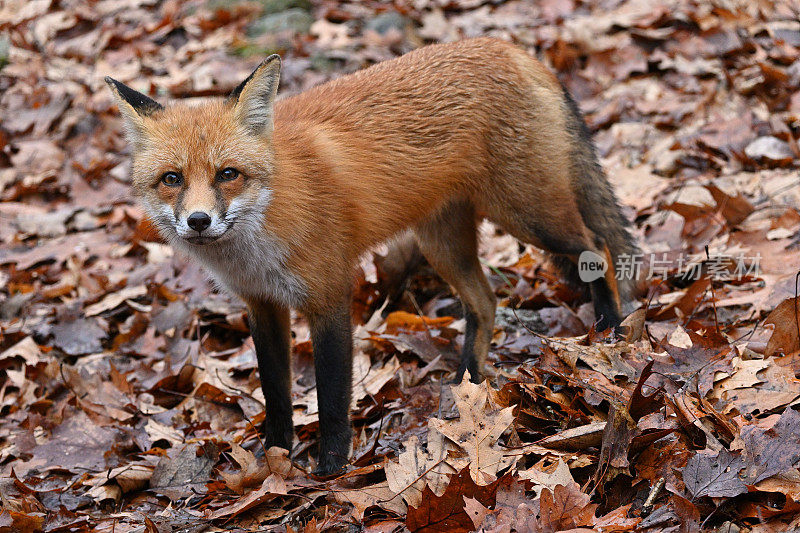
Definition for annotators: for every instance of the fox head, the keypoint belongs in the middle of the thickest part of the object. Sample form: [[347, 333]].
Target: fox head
[[202, 171]]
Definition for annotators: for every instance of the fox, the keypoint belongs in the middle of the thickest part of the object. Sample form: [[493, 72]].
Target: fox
[[277, 198]]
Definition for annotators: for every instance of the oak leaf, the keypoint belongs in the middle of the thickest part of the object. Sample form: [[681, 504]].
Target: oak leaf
[[446, 513], [513, 509], [477, 430], [417, 467], [565, 507], [253, 472], [377, 495], [272, 487], [558, 475]]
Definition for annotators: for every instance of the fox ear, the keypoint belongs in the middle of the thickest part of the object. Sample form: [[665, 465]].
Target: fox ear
[[254, 97], [133, 106]]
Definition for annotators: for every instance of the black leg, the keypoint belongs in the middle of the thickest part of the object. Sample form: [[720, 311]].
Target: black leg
[[270, 327], [331, 337], [469, 361], [605, 307], [448, 239]]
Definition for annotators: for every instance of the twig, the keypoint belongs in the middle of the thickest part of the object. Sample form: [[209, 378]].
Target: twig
[[647, 508], [752, 332]]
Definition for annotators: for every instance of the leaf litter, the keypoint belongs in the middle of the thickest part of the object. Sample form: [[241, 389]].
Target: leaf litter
[[128, 386]]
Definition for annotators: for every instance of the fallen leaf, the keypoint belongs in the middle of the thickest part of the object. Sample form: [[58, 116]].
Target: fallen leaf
[[272, 487], [184, 471], [784, 337], [79, 336], [115, 299], [773, 451], [446, 513], [417, 468], [559, 475], [377, 495], [565, 508], [253, 472], [478, 429], [714, 474]]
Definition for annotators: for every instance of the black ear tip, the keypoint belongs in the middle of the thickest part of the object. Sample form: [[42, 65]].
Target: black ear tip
[[274, 58], [142, 104]]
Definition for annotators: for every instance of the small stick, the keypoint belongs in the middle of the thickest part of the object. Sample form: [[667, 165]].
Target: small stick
[[647, 508]]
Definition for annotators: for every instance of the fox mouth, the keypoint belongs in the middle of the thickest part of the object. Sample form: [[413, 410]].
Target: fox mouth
[[201, 239]]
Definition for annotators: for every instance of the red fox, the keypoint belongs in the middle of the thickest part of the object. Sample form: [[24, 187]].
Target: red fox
[[279, 198]]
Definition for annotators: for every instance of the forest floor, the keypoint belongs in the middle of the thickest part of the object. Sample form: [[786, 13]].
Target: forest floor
[[128, 386]]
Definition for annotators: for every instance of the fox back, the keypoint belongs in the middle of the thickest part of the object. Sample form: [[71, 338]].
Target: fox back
[[352, 162]]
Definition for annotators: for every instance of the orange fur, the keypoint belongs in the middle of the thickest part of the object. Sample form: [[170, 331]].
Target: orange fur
[[355, 161]]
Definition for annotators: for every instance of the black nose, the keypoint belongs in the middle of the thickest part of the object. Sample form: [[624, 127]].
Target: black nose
[[199, 221]]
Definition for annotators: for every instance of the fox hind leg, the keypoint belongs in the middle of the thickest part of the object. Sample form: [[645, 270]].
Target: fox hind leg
[[605, 296], [566, 241], [448, 239]]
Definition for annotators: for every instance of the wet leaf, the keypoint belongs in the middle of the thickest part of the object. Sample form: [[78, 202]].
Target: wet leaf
[[715, 475], [446, 513]]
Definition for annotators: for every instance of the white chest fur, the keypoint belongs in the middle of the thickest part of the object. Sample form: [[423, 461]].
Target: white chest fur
[[250, 265]]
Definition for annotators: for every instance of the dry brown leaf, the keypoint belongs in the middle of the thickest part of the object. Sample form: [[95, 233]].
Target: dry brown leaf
[[403, 321], [26, 349], [126, 478], [557, 474], [417, 468], [578, 438], [774, 387], [565, 507], [477, 431], [114, 299], [253, 471], [608, 360], [377, 495], [272, 487], [784, 337]]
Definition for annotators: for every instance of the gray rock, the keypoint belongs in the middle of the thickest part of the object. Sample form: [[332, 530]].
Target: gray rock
[[293, 20], [385, 22], [267, 6], [276, 6]]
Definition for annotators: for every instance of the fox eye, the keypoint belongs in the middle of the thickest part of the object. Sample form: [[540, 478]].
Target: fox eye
[[228, 174], [172, 179]]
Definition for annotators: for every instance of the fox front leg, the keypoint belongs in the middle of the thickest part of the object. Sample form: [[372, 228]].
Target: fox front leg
[[270, 328], [332, 340]]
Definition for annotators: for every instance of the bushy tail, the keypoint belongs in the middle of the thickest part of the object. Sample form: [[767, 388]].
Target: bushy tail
[[598, 207]]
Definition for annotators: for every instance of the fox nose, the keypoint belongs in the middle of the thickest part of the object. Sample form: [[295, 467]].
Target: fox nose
[[199, 221]]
